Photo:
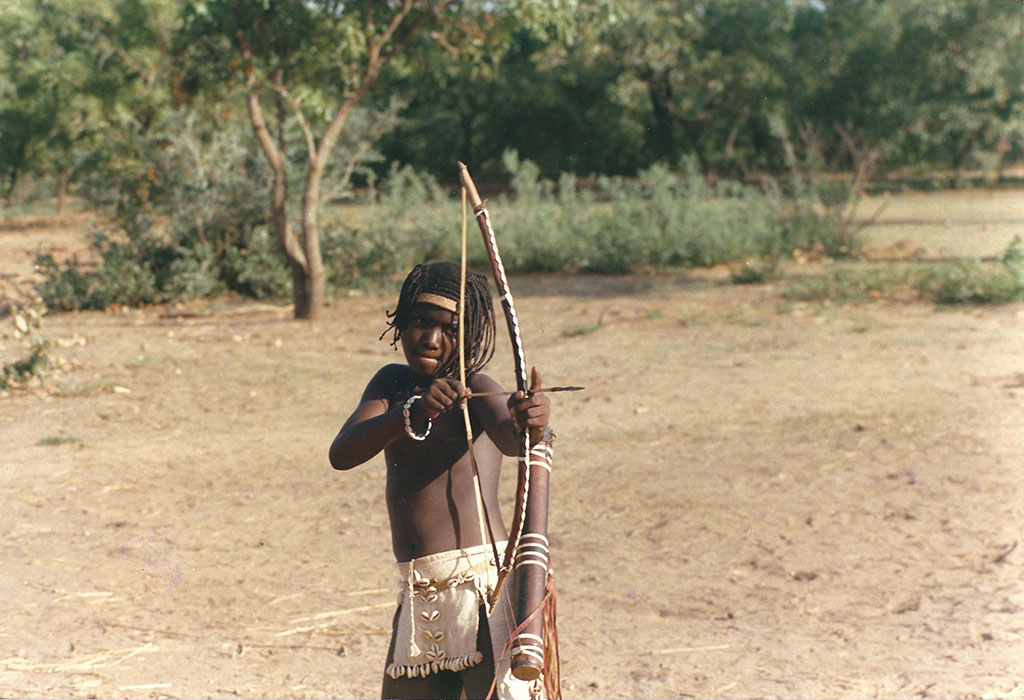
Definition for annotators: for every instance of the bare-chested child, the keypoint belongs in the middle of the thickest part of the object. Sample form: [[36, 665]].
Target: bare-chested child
[[444, 639]]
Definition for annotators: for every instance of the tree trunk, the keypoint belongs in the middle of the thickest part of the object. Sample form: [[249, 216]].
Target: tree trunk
[[62, 191], [693, 132], [659, 90], [466, 122], [300, 292], [279, 206], [304, 287], [313, 284], [1001, 148], [12, 181], [960, 158], [308, 282], [313, 288], [284, 233]]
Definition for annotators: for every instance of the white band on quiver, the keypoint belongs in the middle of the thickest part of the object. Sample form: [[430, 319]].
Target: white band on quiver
[[529, 644], [533, 550]]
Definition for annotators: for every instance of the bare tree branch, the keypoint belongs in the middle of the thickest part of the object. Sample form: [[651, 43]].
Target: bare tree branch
[[259, 123], [275, 157], [338, 189], [300, 117], [368, 27]]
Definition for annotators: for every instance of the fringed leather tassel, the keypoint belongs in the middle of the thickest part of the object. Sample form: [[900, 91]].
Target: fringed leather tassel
[[552, 662]]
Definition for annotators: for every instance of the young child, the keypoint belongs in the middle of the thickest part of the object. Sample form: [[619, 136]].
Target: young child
[[444, 638]]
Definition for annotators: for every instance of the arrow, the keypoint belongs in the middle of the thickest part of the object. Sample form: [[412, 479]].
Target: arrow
[[547, 389]]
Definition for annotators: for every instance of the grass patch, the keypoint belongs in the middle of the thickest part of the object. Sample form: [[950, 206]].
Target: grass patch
[[85, 390], [863, 325], [848, 283], [754, 271], [581, 329], [962, 281], [973, 282], [51, 440]]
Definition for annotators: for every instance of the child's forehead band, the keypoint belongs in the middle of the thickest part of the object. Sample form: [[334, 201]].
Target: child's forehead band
[[438, 301]]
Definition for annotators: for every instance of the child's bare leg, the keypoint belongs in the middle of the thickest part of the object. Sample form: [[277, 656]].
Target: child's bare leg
[[443, 684], [477, 679]]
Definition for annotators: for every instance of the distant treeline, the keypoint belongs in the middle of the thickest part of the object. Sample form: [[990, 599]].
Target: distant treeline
[[602, 86], [741, 86]]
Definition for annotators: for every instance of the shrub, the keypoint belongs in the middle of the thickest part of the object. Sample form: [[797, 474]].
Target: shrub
[[409, 220], [963, 281], [753, 271], [35, 365], [662, 218], [65, 286], [28, 319], [129, 272], [257, 270], [183, 220], [971, 281], [841, 283], [189, 224]]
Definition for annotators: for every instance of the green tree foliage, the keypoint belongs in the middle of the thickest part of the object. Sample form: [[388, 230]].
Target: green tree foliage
[[606, 86], [745, 86], [512, 84], [78, 78], [964, 74], [926, 85], [315, 63], [704, 75]]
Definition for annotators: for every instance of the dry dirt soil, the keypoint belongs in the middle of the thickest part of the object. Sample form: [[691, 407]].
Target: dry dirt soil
[[751, 499]]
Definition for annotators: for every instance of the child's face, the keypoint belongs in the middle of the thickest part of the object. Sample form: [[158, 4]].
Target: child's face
[[429, 339]]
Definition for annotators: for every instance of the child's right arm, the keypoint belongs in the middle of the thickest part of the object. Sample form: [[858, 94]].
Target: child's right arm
[[371, 427], [375, 424]]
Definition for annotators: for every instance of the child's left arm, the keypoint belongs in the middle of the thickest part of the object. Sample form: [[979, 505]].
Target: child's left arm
[[522, 411]]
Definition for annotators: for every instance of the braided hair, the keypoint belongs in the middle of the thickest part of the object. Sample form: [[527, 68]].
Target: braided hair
[[444, 279]]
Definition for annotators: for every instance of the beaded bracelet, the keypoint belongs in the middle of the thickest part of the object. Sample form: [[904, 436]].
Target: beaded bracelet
[[408, 424]]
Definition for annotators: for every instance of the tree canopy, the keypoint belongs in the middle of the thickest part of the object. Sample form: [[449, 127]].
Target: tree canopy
[[579, 85]]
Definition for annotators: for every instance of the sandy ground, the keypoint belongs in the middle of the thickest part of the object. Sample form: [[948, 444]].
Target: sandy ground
[[752, 498], [945, 224]]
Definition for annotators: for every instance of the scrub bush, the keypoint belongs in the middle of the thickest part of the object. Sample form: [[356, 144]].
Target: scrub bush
[[661, 219], [27, 321], [34, 365], [181, 217], [190, 223], [408, 220], [971, 281], [963, 281]]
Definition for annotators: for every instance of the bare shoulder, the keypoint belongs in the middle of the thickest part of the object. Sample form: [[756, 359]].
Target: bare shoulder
[[388, 383], [391, 372], [480, 383]]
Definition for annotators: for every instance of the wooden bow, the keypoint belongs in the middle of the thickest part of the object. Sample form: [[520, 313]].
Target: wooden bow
[[528, 552]]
